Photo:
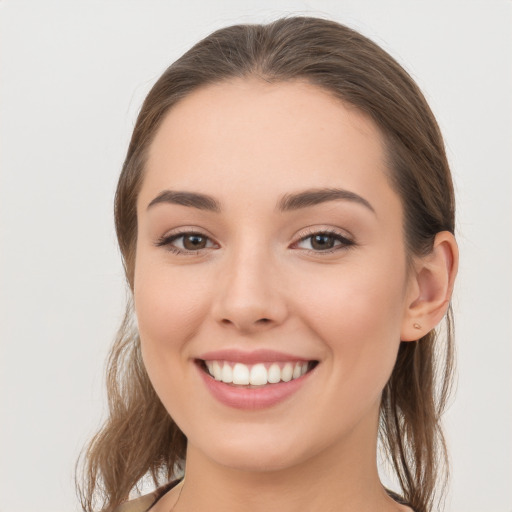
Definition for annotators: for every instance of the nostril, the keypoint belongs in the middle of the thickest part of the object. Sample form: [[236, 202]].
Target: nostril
[[246, 324]]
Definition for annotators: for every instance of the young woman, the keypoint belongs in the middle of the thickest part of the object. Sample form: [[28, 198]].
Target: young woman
[[285, 215]]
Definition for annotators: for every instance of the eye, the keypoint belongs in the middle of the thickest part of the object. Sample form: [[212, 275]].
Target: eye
[[185, 242], [324, 241]]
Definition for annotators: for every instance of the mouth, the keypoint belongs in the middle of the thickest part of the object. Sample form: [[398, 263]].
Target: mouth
[[258, 375]]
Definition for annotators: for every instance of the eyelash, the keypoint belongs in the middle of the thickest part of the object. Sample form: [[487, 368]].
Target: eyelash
[[166, 241], [345, 243]]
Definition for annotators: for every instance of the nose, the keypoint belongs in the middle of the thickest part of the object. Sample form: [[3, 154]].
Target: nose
[[251, 297]]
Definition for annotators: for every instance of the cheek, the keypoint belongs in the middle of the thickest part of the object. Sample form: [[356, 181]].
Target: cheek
[[169, 306], [358, 316]]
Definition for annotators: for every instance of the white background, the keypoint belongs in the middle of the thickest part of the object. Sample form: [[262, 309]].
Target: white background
[[73, 75]]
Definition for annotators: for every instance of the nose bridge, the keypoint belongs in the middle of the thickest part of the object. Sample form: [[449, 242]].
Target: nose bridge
[[250, 297]]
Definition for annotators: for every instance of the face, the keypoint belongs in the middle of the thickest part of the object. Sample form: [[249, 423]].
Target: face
[[270, 279]]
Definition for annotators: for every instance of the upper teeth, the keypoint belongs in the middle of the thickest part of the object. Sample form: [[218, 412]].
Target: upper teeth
[[257, 374]]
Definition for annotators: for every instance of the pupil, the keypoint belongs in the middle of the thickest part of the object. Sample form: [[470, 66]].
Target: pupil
[[193, 242], [322, 242]]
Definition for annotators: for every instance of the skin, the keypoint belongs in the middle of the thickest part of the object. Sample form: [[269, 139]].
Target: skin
[[260, 283]]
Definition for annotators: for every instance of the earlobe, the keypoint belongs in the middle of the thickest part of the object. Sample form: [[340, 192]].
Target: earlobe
[[431, 288]]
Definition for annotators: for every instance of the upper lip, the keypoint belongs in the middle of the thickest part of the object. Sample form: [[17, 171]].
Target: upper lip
[[255, 356]]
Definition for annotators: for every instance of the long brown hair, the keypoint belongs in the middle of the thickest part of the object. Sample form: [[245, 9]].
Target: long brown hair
[[139, 438]]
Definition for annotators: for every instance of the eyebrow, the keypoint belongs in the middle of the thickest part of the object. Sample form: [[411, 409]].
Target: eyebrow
[[288, 202], [312, 197], [192, 199]]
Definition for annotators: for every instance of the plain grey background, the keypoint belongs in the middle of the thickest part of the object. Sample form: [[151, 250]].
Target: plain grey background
[[73, 75]]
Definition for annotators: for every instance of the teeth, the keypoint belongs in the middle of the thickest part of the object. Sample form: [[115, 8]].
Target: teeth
[[255, 375], [274, 374], [217, 370], [259, 375], [240, 374], [227, 373], [287, 372]]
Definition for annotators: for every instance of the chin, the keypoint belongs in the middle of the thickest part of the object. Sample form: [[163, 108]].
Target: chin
[[257, 451], [257, 461]]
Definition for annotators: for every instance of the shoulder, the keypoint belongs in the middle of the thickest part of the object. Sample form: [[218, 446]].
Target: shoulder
[[144, 503], [401, 501]]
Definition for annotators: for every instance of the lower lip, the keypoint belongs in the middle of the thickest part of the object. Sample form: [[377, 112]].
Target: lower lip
[[252, 398]]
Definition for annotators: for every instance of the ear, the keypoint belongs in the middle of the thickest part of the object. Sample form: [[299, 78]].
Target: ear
[[430, 287]]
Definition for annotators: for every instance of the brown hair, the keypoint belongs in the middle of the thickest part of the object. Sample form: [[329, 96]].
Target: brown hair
[[139, 439]]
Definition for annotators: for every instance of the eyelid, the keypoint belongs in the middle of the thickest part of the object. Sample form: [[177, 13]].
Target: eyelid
[[166, 240], [347, 240]]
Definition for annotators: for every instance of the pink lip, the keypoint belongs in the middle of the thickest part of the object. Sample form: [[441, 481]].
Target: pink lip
[[252, 398], [256, 356]]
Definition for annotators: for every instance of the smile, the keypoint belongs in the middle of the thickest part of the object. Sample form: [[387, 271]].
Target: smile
[[259, 374], [253, 384]]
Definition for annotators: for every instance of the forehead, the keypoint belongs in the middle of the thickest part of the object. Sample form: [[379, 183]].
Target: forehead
[[247, 136]]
